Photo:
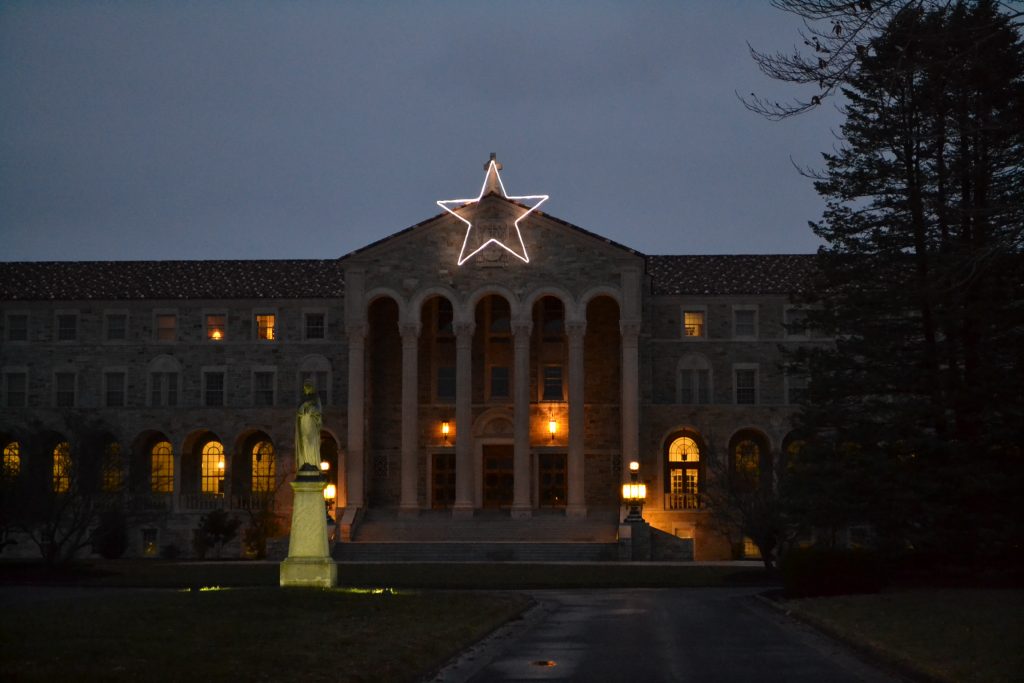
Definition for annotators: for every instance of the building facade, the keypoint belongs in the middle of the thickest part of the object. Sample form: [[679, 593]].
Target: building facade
[[491, 359]]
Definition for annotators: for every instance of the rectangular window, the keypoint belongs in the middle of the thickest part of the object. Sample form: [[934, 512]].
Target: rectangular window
[[499, 382], [67, 327], [744, 322], [17, 327], [693, 323], [746, 387], [266, 326], [316, 326], [263, 388], [117, 327], [446, 383], [319, 380], [65, 389], [216, 328], [695, 386], [553, 383], [213, 389], [166, 327], [164, 389], [114, 382], [16, 389]]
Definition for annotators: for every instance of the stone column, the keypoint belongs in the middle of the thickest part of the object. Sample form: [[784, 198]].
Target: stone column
[[410, 416], [630, 394], [354, 457], [521, 421], [463, 506], [576, 503]]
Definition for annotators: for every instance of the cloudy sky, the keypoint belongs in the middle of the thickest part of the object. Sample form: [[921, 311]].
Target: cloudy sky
[[174, 129]]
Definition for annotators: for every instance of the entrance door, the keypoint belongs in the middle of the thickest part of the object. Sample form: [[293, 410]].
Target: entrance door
[[551, 479], [443, 480], [498, 476]]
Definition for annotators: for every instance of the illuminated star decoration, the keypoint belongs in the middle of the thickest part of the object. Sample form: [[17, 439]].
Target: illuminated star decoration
[[492, 184]]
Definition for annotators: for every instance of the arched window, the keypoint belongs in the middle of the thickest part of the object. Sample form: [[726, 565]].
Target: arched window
[[211, 477], [683, 481], [12, 460], [161, 473], [750, 462], [62, 467], [263, 467], [693, 384], [113, 468]]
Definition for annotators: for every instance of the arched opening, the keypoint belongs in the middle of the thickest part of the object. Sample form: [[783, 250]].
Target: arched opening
[[750, 460], [792, 445], [203, 469], [384, 407], [112, 465], [11, 468], [62, 467], [684, 470], [254, 471], [151, 470]]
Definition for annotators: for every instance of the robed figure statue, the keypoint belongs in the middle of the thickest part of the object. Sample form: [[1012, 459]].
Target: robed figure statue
[[308, 421]]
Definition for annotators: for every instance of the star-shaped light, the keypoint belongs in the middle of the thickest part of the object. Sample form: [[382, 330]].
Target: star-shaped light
[[492, 182]]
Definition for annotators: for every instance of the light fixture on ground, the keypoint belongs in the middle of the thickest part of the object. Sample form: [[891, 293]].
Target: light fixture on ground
[[634, 493]]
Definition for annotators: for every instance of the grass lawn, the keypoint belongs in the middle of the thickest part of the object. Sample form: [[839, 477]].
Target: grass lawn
[[250, 634], [963, 635]]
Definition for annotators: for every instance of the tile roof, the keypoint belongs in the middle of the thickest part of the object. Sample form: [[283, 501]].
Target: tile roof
[[110, 280], [726, 275]]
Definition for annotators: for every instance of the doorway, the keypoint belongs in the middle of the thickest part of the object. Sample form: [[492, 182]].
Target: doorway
[[442, 480], [498, 479], [551, 476]]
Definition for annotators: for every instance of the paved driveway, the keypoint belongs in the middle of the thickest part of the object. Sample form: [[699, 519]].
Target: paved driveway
[[653, 635]]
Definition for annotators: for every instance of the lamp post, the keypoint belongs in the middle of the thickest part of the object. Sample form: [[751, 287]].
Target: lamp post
[[634, 493]]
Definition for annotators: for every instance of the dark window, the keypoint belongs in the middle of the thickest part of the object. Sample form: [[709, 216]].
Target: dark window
[[16, 387], [164, 388], [115, 389], [67, 327], [263, 388], [553, 326], [65, 396], [445, 317], [213, 383], [167, 327], [553, 383], [319, 380], [315, 326], [499, 382], [746, 387], [17, 327], [117, 327], [501, 316], [446, 383], [694, 386], [745, 323]]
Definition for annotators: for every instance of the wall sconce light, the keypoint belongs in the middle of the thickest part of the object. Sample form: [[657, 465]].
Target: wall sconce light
[[634, 494], [330, 492], [552, 427], [325, 466], [445, 429]]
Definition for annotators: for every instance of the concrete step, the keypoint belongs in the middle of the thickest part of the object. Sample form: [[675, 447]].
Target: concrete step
[[390, 526], [475, 552]]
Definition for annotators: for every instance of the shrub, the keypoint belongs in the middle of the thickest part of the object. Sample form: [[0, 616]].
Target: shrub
[[110, 539], [214, 530], [816, 570]]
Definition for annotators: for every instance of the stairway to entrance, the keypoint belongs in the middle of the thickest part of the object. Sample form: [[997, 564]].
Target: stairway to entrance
[[384, 535]]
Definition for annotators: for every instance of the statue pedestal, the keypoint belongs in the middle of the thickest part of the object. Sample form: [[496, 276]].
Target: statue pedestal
[[309, 560]]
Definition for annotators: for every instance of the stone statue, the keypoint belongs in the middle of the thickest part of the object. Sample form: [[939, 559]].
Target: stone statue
[[308, 421]]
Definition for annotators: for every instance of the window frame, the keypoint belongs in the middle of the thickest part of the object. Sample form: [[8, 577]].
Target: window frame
[[699, 308], [57, 373], [165, 313], [744, 308], [261, 370], [275, 328], [58, 331], [15, 371], [543, 384], [507, 396], [8, 316], [445, 398], [306, 313], [107, 373], [208, 328], [697, 466], [107, 316], [206, 372], [746, 367]]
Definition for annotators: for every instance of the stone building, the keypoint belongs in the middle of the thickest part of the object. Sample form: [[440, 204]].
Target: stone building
[[492, 361]]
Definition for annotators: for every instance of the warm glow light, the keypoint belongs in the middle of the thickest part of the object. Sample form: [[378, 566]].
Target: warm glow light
[[552, 427], [445, 428], [330, 492], [459, 203], [634, 466], [634, 491], [220, 465], [216, 335], [324, 466]]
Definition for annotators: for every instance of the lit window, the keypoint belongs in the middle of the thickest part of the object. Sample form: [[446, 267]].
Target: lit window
[[750, 550], [316, 327], [15, 389], [12, 460], [693, 323], [746, 386], [62, 467], [552, 384], [113, 476], [499, 382], [166, 327], [750, 462], [683, 474], [17, 327], [213, 389], [263, 467], [67, 327], [265, 323], [212, 476], [161, 473], [744, 322], [117, 327], [446, 383], [263, 388], [115, 389], [65, 389], [215, 326]]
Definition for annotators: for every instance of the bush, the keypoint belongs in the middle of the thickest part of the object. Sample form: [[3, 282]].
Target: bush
[[215, 529], [110, 539], [814, 571]]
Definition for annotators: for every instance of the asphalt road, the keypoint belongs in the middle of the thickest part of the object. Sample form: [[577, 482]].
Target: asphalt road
[[653, 635]]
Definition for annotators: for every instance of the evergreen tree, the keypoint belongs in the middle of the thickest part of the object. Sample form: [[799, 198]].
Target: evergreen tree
[[922, 286]]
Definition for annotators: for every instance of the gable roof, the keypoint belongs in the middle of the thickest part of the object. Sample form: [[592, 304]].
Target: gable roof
[[733, 274], [110, 280]]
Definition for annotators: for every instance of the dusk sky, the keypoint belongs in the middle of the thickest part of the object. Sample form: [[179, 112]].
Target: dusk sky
[[250, 130]]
